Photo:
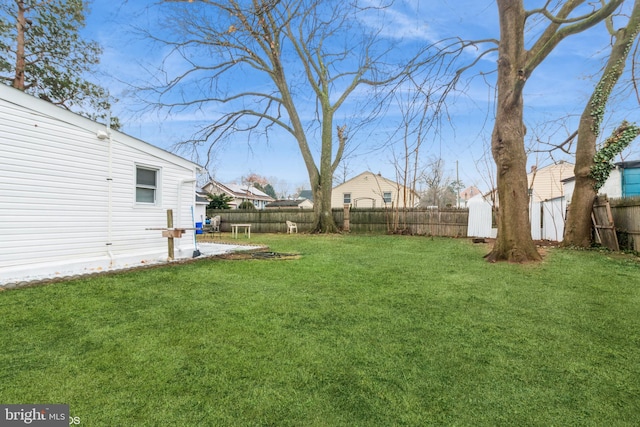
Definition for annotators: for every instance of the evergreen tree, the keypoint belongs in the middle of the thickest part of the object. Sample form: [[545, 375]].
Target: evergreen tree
[[219, 201], [42, 53], [268, 189]]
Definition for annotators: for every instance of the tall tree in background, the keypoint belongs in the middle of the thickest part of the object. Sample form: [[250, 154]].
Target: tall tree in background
[[578, 227], [269, 190], [416, 121], [304, 60], [439, 187], [41, 53], [259, 182], [516, 63]]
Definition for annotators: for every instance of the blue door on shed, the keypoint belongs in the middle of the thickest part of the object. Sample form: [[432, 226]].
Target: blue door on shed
[[631, 182]]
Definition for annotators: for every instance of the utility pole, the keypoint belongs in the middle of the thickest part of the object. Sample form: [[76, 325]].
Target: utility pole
[[457, 187]]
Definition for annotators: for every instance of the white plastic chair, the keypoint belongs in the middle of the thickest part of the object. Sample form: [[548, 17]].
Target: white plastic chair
[[214, 227], [291, 227]]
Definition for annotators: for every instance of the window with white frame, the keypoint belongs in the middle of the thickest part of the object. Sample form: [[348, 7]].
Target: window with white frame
[[386, 196], [146, 185], [347, 198]]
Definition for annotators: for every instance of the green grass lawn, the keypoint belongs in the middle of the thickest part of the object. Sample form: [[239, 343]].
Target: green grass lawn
[[360, 331]]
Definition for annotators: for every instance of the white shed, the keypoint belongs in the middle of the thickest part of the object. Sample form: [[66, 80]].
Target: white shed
[[75, 194], [480, 217]]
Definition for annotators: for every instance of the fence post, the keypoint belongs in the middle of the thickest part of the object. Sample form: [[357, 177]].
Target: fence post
[[170, 239], [345, 224]]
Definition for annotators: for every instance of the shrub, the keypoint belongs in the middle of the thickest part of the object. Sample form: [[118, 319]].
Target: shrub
[[247, 205]]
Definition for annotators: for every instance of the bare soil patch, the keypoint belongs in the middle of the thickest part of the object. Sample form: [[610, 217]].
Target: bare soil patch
[[263, 255], [542, 245]]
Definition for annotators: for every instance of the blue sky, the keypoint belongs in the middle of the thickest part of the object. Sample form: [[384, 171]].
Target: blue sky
[[559, 88]]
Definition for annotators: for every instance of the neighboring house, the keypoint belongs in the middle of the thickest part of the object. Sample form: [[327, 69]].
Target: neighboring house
[[630, 178], [547, 205], [97, 193], [239, 194], [546, 183], [466, 194], [369, 190], [291, 204], [623, 181], [202, 201]]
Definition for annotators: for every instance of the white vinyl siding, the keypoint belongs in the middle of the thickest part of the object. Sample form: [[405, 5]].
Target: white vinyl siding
[[369, 190], [57, 203], [546, 182]]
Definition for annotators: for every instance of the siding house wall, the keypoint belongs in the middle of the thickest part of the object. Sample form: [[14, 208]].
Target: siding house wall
[[546, 182], [58, 207], [613, 185], [367, 190], [631, 180]]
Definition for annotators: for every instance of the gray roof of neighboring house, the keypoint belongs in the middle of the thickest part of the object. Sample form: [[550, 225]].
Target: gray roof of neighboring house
[[632, 164], [306, 194], [201, 197], [285, 203], [629, 165], [242, 191]]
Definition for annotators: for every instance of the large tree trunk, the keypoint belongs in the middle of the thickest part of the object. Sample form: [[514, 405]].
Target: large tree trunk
[[577, 231], [322, 209], [324, 183], [513, 242], [578, 225]]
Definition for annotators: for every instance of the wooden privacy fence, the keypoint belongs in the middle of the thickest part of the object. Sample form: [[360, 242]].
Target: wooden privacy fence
[[603, 224], [448, 222], [626, 217], [429, 222], [264, 221]]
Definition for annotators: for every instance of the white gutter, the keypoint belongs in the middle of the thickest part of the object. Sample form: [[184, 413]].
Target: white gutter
[[178, 223]]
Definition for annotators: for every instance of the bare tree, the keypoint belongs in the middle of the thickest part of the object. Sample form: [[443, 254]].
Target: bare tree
[[440, 187], [578, 227], [415, 122], [304, 60], [342, 173], [516, 63]]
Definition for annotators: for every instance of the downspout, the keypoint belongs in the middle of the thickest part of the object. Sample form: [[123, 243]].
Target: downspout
[[102, 135], [110, 210], [179, 219], [110, 196]]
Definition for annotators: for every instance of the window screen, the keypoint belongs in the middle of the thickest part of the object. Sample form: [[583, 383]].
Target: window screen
[[146, 185]]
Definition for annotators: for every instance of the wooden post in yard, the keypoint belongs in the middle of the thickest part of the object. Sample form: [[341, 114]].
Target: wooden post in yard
[[170, 239], [345, 225]]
